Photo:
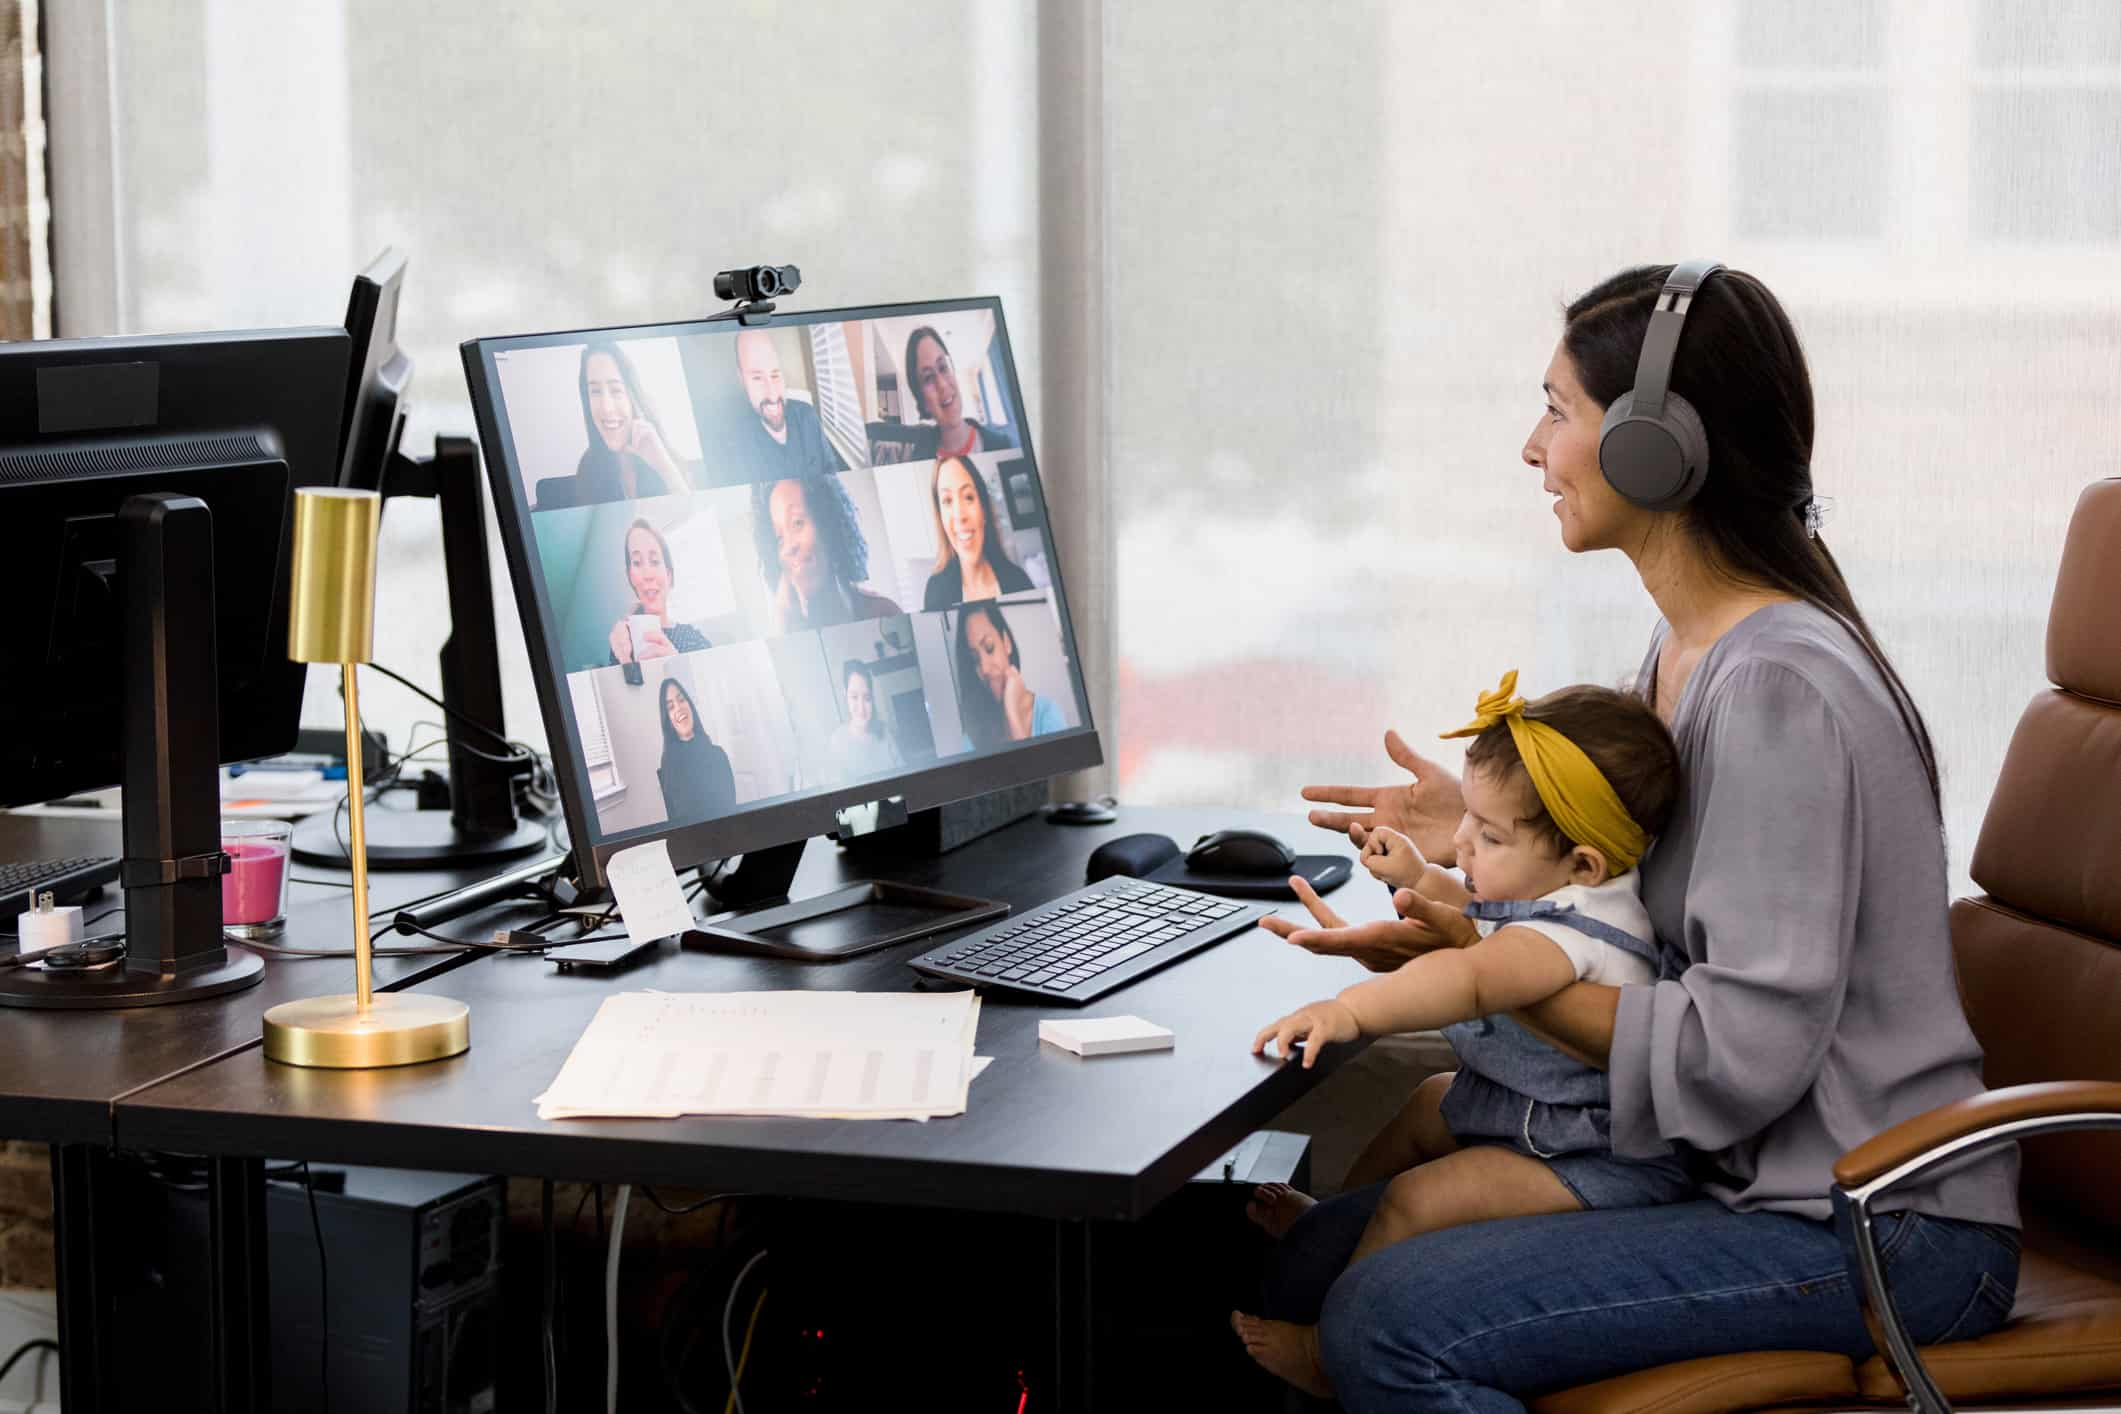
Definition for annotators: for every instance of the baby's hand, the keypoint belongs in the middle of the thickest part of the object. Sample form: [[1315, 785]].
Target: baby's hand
[[1392, 857], [1315, 1026]]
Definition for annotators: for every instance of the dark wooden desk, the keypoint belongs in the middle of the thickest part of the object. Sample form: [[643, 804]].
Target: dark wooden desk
[[62, 1073], [1045, 1134]]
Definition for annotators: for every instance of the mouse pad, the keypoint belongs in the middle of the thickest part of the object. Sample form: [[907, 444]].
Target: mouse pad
[[1324, 872]]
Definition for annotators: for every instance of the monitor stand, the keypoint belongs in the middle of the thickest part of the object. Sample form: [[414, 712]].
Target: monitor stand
[[844, 922], [481, 825], [173, 862]]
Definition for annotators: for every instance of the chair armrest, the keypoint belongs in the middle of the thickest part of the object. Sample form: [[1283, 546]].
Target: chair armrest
[[1945, 1135], [1912, 1138]]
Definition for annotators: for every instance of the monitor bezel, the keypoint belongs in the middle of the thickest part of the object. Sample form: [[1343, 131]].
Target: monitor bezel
[[785, 821], [286, 384]]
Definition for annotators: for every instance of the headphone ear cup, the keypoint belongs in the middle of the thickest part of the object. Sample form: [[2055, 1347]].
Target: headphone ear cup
[[1693, 441], [1657, 463]]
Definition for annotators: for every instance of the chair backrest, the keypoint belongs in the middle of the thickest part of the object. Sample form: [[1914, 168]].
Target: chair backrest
[[2040, 953]]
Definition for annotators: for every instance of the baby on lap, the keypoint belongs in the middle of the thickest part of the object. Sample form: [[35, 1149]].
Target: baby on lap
[[1563, 796]]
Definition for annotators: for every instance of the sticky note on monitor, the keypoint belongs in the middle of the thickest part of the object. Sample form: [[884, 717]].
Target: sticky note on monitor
[[651, 904], [1105, 1035]]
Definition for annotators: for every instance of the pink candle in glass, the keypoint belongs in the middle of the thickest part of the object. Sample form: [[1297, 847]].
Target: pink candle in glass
[[251, 889]]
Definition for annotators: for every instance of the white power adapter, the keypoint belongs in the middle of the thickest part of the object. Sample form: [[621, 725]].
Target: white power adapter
[[43, 926]]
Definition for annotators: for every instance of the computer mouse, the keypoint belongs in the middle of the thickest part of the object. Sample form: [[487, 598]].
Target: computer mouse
[[1240, 852]]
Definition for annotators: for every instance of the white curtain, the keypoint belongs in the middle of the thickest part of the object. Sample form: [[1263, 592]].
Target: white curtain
[[1282, 280], [1340, 246], [548, 164]]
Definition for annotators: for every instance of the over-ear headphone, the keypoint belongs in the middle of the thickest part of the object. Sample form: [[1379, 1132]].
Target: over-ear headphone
[[1651, 446]]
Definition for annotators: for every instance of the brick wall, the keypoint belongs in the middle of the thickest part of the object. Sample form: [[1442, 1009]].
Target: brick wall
[[25, 1215]]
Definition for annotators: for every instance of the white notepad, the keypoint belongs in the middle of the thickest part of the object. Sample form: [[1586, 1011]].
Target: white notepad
[[1106, 1035]]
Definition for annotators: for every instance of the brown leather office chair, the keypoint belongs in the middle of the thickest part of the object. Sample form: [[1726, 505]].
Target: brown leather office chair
[[2039, 957]]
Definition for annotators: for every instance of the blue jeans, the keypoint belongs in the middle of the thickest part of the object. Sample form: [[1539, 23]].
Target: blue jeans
[[1482, 1317]]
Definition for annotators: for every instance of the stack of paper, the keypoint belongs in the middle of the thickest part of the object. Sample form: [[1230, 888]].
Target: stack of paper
[[824, 1055]]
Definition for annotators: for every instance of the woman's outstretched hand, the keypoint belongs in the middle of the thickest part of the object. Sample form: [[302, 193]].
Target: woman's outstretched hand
[[1426, 811], [1383, 946]]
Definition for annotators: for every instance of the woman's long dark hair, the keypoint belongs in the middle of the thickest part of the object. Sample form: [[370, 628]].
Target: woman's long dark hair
[[1740, 365], [600, 459], [838, 529], [980, 710], [992, 551], [672, 742]]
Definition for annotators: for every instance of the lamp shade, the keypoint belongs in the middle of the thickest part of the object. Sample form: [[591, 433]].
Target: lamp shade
[[332, 610]]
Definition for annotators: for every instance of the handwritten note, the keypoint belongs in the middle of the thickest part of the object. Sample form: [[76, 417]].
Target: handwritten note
[[651, 904]]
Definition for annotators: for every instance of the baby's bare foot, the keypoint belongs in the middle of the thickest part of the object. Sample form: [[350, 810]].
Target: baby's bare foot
[[1289, 1352], [1277, 1206]]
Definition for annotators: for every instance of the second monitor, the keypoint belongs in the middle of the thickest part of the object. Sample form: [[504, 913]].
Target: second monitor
[[777, 580]]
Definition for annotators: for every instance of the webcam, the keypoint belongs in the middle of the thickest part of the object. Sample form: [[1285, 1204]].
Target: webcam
[[757, 282]]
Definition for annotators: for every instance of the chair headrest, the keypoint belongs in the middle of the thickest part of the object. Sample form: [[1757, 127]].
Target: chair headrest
[[2084, 626]]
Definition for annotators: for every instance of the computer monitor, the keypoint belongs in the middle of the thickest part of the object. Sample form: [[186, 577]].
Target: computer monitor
[[107, 681], [480, 824], [772, 577], [368, 432]]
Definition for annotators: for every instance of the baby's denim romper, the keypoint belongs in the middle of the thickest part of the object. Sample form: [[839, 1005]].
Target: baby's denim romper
[[1515, 1089]]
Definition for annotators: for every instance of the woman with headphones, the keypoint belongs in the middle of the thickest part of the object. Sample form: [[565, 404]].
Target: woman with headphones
[[1809, 1000]]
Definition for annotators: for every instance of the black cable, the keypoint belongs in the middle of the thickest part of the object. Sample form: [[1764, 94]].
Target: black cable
[[40, 1343], [552, 1248], [321, 883], [479, 727], [468, 944], [598, 1189], [688, 1208], [316, 1226]]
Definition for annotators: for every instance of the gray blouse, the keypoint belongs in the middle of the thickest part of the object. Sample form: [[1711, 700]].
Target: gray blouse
[[1803, 878]]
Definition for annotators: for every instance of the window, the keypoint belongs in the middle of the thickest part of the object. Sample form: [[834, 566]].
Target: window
[[1338, 277], [546, 166]]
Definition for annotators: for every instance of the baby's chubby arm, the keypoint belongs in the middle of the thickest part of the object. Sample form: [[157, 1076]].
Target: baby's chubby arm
[[1393, 858], [1510, 968]]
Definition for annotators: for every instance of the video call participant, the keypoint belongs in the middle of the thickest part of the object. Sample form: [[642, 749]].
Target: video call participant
[[944, 430], [694, 773], [788, 439], [813, 555], [970, 562], [860, 745], [650, 574], [626, 459], [993, 701]]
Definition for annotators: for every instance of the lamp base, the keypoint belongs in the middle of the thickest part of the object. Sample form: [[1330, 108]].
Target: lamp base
[[399, 1028]]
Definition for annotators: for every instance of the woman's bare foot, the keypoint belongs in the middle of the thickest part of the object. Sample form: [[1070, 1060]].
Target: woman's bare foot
[[1289, 1352], [1277, 1206]]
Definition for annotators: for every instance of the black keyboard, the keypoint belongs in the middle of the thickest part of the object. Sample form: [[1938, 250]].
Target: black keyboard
[[1085, 944], [66, 880]]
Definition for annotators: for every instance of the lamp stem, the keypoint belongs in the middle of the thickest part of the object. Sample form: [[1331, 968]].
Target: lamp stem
[[363, 961]]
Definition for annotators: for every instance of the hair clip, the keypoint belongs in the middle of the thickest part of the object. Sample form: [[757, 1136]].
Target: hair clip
[[1817, 511]]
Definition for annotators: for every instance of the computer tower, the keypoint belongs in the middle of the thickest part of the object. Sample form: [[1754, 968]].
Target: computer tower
[[413, 1261]]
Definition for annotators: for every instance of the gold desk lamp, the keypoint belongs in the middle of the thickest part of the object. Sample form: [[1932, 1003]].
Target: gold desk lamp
[[331, 619]]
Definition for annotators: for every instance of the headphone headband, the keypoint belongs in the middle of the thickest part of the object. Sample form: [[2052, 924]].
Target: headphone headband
[[1653, 370]]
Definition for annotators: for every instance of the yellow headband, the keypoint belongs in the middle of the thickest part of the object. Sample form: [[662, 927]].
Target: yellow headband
[[1570, 785]]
